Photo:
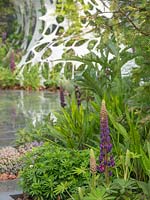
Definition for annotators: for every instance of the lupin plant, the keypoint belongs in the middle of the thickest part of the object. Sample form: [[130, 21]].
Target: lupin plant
[[106, 158], [12, 62], [78, 95], [62, 98], [93, 168]]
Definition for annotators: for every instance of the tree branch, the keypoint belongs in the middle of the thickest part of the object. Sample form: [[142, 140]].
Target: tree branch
[[127, 17], [133, 24]]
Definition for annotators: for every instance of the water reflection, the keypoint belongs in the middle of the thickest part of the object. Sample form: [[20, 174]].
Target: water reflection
[[18, 108]]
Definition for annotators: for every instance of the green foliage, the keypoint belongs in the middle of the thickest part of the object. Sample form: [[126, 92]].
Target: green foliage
[[56, 171], [145, 188], [3, 52], [129, 25], [69, 9], [6, 14], [127, 137], [88, 80], [31, 78], [119, 189], [49, 171], [129, 131], [145, 159], [102, 75], [125, 189], [98, 194], [75, 126], [7, 78], [32, 133], [51, 76]]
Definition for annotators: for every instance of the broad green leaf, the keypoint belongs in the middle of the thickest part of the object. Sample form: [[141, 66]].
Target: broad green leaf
[[119, 127], [113, 48], [145, 161]]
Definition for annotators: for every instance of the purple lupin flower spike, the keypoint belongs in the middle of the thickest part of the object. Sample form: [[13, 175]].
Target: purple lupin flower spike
[[62, 98], [12, 62], [78, 95], [106, 159]]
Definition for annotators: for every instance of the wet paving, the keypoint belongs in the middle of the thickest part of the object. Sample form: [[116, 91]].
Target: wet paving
[[8, 188], [20, 108]]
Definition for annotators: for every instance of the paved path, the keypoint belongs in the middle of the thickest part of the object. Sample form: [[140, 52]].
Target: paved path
[[8, 188], [6, 195]]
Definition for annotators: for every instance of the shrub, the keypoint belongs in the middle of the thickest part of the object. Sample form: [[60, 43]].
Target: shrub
[[9, 162], [51, 171], [7, 78], [31, 78], [10, 157], [76, 125]]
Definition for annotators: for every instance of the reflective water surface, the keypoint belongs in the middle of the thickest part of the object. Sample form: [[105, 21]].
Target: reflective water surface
[[19, 108]]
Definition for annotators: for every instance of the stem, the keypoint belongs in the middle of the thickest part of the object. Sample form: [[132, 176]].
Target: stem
[[93, 181], [117, 173], [70, 195], [106, 170], [126, 173], [106, 175]]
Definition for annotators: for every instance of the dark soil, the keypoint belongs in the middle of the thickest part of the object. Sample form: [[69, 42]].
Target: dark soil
[[41, 88], [21, 197], [25, 197]]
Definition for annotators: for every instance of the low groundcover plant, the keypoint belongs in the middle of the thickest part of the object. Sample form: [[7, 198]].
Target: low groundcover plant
[[49, 172]]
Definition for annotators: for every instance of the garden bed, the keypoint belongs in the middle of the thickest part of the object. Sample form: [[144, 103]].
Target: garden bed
[[18, 87]]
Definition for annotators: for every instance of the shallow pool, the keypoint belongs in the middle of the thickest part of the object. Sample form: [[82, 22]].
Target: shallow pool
[[19, 108]]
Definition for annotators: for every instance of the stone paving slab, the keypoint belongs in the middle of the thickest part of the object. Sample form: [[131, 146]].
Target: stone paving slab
[[6, 195], [7, 188]]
